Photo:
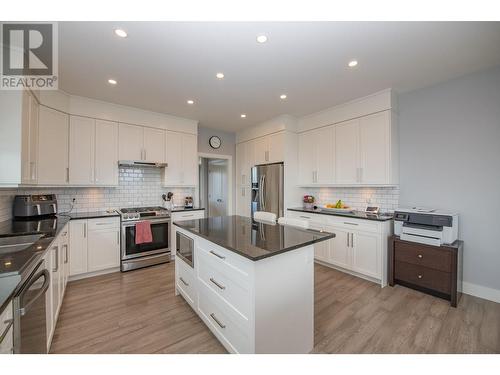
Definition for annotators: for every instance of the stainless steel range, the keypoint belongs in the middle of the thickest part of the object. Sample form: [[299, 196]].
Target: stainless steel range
[[134, 255]]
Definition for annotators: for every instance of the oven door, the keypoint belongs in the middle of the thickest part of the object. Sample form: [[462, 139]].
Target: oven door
[[161, 239]]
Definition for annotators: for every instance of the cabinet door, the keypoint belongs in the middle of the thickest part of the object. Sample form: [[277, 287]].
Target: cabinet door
[[77, 247], [276, 148], [324, 152], [29, 138], [173, 158], [103, 249], [154, 145], [321, 251], [243, 201], [340, 252], [189, 173], [130, 142], [55, 277], [346, 152], [106, 153], [261, 150], [53, 139], [48, 300], [307, 158], [366, 254], [240, 164], [374, 132], [81, 150], [63, 239]]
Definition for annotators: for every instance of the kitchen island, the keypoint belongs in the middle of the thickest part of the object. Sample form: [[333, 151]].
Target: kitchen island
[[251, 283]]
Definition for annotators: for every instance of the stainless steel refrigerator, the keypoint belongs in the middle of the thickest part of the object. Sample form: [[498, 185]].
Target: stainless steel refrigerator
[[267, 188]]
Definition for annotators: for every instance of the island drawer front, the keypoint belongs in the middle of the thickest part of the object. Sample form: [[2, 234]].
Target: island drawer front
[[227, 260], [104, 223], [315, 221], [423, 276], [224, 322], [188, 215], [421, 255], [353, 224], [185, 281], [232, 286]]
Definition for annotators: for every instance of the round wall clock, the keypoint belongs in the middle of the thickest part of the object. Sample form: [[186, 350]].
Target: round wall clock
[[214, 142]]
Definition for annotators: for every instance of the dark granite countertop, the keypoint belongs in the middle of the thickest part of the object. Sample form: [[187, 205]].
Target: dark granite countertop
[[181, 209], [251, 239], [353, 214]]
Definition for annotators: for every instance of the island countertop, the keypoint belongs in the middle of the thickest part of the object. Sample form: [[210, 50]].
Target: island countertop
[[251, 239]]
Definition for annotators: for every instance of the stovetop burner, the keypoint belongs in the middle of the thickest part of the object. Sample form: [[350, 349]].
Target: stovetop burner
[[142, 209], [136, 213]]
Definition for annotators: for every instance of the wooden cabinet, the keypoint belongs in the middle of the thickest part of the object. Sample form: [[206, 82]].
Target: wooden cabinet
[[316, 156], [103, 249], [182, 159], [154, 145], [106, 153], [53, 139], [81, 150], [29, 139], [130, 142]]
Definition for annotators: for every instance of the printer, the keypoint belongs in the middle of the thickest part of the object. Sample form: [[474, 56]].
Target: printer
[[427, 226]]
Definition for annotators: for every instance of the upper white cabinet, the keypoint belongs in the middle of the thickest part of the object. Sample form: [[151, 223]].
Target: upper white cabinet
[[182, 158], [269, 149], [29, 148], [141, 143], [244, 162], [53, 139], [106, 153], [81, 150], [363, 151]]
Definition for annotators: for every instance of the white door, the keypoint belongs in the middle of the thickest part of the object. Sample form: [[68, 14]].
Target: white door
[[78, 247], [374, 133], [324, 151], [81, 150], [261, 150], [340, 252], [53, 139], [276, 147], [154, 145], [366, 254], [217, 188], [103, 249], [106, 153], [307, 158], [189, 171], [346, 152], [173, 158], [130, 142]]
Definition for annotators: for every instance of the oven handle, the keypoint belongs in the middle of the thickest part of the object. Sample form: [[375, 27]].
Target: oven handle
[[43, 289], [132, 223]]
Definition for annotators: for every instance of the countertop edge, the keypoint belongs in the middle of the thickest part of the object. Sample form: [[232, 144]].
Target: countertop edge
[[339, 214]]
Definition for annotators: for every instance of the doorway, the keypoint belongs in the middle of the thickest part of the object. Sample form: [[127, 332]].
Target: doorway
[[214, 185]]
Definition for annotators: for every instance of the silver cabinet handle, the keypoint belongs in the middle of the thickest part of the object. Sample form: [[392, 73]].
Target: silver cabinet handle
[[101, 223], [420, 256], [84, 230], [66, 258], [222, 287], [188, 215], [217, 255], [419, 276], [352, 239], [212, 315], [242, 192], [117, 237], [347, 239], [67, 174], [9, 323], [183, 281], [56, 249], [345, 222], [305, 217]]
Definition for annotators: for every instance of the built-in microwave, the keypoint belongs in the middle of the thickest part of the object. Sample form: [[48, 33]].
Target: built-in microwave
[[184, 248]]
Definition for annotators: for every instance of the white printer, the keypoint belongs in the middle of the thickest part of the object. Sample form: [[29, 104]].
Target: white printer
[[427, 226]]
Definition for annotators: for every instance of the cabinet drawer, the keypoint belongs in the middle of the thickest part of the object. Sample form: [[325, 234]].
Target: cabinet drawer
[[315, 221], [104, 223], [226, 261], [423, 276], [423, 256], [185, 281], [352, 224], [224, 322], [6, 330], [231, 285], [188, 215]]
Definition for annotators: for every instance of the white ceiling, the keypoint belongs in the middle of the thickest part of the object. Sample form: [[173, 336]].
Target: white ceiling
[[162, 64]]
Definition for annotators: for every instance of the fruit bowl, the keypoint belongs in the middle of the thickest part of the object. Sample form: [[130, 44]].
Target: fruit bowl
[[339, 210]]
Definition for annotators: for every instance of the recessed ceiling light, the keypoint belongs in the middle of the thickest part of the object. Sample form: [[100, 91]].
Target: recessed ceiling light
[[283, 96], [112, 82], [220, 75], [243, 115], [353, 63], [121, 33], [190, 101], [262, 39]]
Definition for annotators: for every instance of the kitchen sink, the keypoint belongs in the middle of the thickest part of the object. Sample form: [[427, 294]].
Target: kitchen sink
[[17, 243]]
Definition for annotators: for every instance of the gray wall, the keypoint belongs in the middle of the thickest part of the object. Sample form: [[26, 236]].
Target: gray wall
[[228, 147], [450, 159]]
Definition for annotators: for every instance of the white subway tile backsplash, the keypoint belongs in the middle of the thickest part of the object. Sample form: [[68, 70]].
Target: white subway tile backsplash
[[143, 187]]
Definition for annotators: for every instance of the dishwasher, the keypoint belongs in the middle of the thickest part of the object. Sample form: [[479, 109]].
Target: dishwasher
[[30, 329]]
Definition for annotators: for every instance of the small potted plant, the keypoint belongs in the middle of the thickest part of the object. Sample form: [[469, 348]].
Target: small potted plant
[[308, 202]]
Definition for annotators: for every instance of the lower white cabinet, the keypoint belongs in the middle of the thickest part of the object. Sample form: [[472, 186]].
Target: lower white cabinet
[[243, 201], [359, 246], [94, 245], [6, 330]]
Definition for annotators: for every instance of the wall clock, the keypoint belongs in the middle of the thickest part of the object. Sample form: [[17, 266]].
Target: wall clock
[[214, 142]]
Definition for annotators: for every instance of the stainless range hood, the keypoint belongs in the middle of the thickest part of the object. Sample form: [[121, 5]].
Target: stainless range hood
[[141, 163]]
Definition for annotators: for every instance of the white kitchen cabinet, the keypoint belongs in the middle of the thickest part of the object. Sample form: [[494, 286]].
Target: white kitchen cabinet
[[347, 152], [374, 147], [182, 159], [340, 254], [307, 158], [322, 251], [55, 283], [276, 148], [53, 139], [29, 139], [244, 162], [78, 247], [366, 254], [317, 156], [173, 171], [154, 145], [243, 201], [81, 150], [130, 142], [261, 149], [103, 249], [189, 159], [106, 153]]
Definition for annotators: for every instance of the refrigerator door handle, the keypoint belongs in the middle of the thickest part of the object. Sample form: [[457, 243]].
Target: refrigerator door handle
[[263, 189]]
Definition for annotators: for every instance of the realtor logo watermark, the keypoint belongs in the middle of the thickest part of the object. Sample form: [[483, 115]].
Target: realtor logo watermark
[[29, 56]]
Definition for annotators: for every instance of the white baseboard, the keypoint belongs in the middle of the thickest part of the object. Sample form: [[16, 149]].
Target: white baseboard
[[92, 274], [481, 291]]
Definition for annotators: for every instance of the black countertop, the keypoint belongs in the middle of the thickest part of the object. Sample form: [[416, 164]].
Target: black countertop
[[251, 239], [353, 214]]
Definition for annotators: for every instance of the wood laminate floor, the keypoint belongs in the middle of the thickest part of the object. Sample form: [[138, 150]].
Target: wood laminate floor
[[137, 312]]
